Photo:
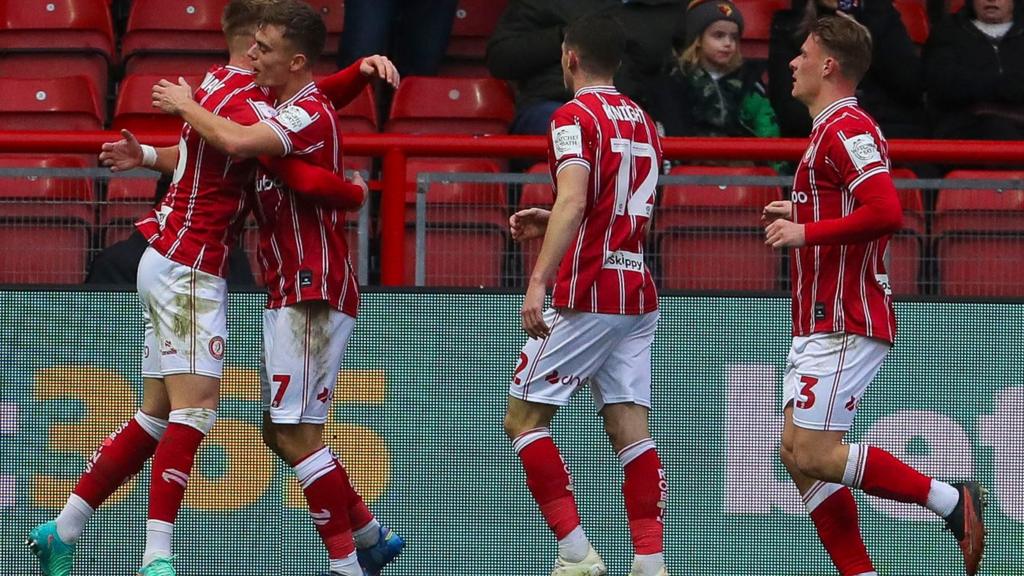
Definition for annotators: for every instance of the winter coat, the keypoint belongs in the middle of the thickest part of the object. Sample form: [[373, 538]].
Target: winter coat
[[966, 70], [526, 46], [892, 91]]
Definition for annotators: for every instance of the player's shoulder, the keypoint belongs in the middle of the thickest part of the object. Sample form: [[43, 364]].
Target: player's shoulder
[[851, 121]]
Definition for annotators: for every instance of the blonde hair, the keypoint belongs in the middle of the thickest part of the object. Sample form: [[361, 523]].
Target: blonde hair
[[242, 17], [690, 60]]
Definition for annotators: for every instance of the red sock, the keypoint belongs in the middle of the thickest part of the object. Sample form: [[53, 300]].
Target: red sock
[[359, 514], [549, 481], [172, 465], [881, 474], [834, 512], [118, 458], [644, 489], [326, 487]]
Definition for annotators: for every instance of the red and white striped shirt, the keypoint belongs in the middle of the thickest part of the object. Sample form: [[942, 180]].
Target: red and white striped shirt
[[200, 218], [604, 271], [302, 244], [842, 287]]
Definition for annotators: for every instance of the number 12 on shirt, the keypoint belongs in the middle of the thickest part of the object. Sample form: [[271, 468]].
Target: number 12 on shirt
[[640, 201]]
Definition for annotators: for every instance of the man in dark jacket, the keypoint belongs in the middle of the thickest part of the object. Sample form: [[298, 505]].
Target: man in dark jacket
[[526, 48], [974, 66], [892, 91]]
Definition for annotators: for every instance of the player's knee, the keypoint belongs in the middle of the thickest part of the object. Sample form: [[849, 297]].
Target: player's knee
[[810, 463], [788, 457], [513, 426]]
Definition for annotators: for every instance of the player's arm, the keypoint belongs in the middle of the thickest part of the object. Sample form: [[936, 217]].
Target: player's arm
[[344, 85], [127, 153], [230, 138], [563, 224], [316, 183]]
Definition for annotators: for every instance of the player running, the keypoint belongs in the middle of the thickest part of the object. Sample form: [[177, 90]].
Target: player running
[[843, 210], [604, 155], [313, 290]]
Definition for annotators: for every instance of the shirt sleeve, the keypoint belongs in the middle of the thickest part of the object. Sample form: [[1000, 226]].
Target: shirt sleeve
[[856, 156], [301, 127], [571, 140]]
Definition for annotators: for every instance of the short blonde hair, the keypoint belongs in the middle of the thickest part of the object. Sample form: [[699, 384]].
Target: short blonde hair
[[689, 60], [242, 17]]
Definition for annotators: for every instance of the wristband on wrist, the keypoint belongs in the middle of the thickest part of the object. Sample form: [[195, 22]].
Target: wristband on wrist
[[148, 155]]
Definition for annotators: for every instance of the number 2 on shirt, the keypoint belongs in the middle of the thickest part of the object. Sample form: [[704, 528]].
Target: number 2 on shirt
[[640, 201]]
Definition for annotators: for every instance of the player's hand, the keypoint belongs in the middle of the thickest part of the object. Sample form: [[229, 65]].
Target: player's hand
[[533, 311], [380, 67], [776, 210], [529, 224], [784, 234], [171, 97], [124, 154], [357, 179]]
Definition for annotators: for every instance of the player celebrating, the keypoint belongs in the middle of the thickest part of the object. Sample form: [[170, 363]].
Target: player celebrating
[[313, 289], [844, 208], [604, 155]]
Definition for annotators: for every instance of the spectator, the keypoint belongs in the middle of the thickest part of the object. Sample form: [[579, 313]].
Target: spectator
[[893, 89], [118, 264], [709, 90], [413, 33], [975, 72], [526, 49]]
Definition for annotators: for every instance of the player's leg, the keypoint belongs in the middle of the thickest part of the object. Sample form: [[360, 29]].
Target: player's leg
[[830, 386], [119, 457], [549, 371], [622, 393], [189, 313], [832, 509]]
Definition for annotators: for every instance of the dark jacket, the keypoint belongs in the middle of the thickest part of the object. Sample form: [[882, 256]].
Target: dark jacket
[[695, 104], [526, 47], [966, 70], [892, 91]]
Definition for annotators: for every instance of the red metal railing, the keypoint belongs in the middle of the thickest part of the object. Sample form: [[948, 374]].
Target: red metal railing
[[396, 148]]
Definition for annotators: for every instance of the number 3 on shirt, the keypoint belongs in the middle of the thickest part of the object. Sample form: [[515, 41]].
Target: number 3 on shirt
[[640, 201]]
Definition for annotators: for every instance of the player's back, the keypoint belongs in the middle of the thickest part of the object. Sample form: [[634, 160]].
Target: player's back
[[302, 244], [604, 269], [201, 216]]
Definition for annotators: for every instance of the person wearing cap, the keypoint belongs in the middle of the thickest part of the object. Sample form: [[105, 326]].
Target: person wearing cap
[[708, 89]]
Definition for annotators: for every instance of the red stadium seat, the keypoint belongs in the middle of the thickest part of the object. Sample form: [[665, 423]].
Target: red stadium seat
[[979, 238], [86, 45], [914, 14], [475, 21], [333, 12], [49, 104], [358, 117], [709, 237], [45, 223], [159, 30], [757, 27], [906, 247], [128, 199], [134, 110], [535, 196], [466, 226], [446, 105]]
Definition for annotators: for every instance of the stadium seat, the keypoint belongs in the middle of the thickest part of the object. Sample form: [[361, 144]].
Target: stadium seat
[[45, 223], [134, 110], [333, 12], [757, 18], [466, 226], [358, 117], [475, 21], [128, 199], [173, 36], [906, 246], [709, 237], [86, 45], [979, 238], [49, 104], [534, 196], [914, 14], [447, 105]]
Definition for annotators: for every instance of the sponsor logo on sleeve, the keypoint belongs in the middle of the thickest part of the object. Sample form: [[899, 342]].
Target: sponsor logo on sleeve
[[862, 150], [294, 119], [263, 109], [567, 140]]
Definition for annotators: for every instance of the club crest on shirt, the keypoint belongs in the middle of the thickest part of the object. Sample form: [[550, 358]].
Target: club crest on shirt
[[567, 140], [862, 150], [294, 118]]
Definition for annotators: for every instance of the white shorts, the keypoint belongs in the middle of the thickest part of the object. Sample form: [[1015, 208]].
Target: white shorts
[[826, 376], [303, 345], [609, 352], [185, 315]]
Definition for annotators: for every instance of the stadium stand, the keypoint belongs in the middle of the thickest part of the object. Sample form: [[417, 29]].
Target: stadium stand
[[49, 104], [450, 105], [134, 109], [153, 42], [906, 248], [757, 25]]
